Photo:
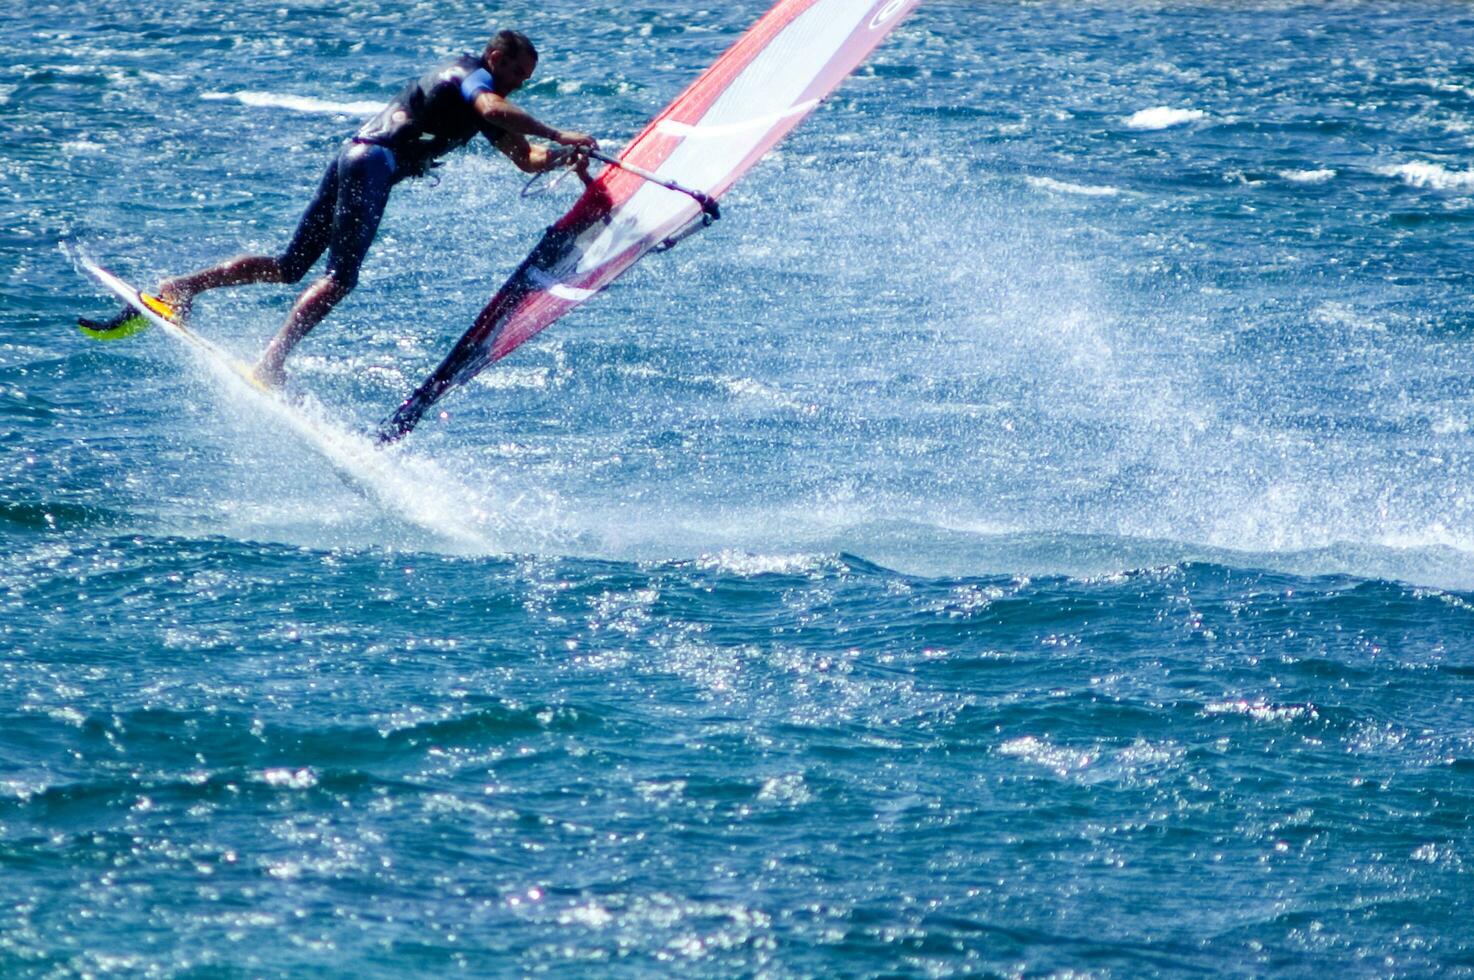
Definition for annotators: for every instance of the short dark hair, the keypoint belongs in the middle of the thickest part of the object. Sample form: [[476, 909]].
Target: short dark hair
[[512, 44]]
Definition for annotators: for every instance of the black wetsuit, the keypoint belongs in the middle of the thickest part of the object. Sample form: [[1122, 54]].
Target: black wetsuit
[[433, 115]]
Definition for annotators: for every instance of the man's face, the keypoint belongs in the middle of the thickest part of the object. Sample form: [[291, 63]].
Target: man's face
[[508, 73]]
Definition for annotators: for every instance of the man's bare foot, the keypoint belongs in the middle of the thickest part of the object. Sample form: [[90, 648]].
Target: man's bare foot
[[175, 297], [270, 375]]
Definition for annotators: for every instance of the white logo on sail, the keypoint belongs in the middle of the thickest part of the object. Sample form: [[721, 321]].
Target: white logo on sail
[[886, 12]]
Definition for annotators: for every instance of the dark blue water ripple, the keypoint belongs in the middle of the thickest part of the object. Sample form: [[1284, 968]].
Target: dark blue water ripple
[[827, 767]]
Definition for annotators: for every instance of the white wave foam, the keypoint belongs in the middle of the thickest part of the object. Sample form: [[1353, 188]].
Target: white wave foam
[[1349, 317], [512, 377], [1437, 85], [1261, 710], [297, 103], [1308, 176], [746, 564], [1430, 175], [748, 388], [412, 489], [1062, 760], [1065, 187], [1163, 117]]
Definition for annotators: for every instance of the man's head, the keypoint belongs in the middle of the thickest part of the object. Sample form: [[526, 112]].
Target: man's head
[[511, 59]]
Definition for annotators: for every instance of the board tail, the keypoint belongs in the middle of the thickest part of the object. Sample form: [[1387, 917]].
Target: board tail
[[129, 321]]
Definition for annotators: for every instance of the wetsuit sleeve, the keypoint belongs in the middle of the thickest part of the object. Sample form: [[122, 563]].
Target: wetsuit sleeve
[[475, 83]]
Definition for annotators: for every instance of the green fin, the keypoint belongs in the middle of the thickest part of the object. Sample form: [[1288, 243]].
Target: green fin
[[112, 331]]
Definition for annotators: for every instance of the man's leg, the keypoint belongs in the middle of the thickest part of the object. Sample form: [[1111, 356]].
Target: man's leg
[[308, 242], [365, 174], [180, 291], [315, 303]]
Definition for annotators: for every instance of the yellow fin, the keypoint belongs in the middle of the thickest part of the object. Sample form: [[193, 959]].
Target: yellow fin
[[163, 309], [127, 328]]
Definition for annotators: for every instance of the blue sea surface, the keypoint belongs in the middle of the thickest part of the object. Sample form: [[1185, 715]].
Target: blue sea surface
[[1032, 533]]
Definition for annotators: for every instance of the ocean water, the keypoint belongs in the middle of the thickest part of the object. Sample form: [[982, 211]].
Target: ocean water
[[1030, 534]]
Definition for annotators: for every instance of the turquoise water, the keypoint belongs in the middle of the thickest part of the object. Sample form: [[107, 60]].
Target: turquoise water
[[1029, 534]]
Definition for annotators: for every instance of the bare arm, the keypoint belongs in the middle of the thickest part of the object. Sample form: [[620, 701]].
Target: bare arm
[[510, 119], [535, 159], [518, 125]]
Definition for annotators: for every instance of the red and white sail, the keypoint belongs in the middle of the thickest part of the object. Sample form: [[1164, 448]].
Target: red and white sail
[[747, 101]]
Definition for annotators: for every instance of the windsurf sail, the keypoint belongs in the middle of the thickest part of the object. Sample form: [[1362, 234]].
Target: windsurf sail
[[703, 142]]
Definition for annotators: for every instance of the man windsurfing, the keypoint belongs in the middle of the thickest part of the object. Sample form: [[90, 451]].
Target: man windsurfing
[[434, 114]]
